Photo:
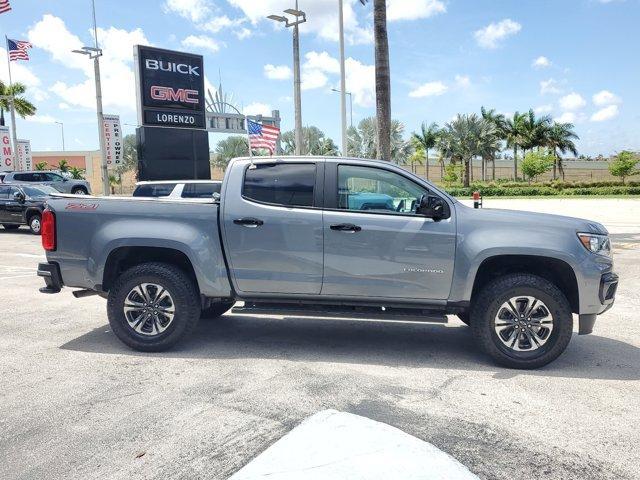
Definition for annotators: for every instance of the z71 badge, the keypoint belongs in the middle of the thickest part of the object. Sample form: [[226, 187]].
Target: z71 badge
[[81, 206]]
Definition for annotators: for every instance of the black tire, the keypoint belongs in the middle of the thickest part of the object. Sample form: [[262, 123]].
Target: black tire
[[487, 304], [79, 191], [216, 310], [10, 227], [464, 317], [35, 223], [185, 298]]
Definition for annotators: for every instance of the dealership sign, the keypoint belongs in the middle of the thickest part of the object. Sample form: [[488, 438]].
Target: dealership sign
[[23, 150], [113, 144], [6, 160], [170, 88]]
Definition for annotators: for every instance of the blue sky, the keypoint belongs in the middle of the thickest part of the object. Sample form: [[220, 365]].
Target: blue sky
[[576, 60]]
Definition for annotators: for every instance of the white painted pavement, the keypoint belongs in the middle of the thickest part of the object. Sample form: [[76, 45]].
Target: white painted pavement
[[339, 446]]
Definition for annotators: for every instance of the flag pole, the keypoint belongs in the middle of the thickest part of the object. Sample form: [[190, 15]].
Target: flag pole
[[14, 136], [246, 124]]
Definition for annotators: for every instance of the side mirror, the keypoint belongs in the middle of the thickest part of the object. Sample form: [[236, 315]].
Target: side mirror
[[18, 197], [432, 207], [65, 179]]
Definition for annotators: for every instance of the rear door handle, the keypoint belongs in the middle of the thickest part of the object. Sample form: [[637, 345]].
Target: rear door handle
[[248, 222], [346, 227]]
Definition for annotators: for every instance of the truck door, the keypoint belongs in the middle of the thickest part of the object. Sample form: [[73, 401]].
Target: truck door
[[375, 244], [5, 216], [272, 226]]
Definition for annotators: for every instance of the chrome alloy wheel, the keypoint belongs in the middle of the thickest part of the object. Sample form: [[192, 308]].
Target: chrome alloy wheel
[[35, 224], [523, 323], [149, 309]]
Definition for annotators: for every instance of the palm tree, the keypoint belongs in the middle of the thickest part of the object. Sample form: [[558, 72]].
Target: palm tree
[[362, 141], [229, 148], [315, 142], [23, 107], [63, 166], [500, 123], [41, 166], [560, 137], [383, 79], [427, 139], [514, 134], [534, 130], [76, 173]]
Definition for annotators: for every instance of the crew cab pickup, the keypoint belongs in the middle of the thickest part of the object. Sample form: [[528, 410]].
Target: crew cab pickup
[[331, 237]]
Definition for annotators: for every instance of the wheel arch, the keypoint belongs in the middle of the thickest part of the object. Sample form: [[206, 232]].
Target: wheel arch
[[122, 258], [555, 270]]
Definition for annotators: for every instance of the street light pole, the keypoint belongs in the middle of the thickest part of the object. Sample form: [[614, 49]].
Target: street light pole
[[95, 53], [350, 105], [297, 97], [343, 97], [62, 127]]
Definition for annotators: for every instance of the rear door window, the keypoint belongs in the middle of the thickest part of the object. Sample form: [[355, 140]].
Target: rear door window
[[23, 177], [4, 192], [200, 190], [154, 190], [286, 184]]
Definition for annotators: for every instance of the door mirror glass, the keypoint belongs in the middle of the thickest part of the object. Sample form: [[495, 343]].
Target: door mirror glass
[[18, 197], [432, 207]]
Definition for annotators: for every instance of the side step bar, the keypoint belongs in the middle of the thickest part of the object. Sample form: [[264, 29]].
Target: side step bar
[[342, 311]]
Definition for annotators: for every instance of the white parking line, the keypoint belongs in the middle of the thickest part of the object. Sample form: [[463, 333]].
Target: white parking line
[[341, 446]]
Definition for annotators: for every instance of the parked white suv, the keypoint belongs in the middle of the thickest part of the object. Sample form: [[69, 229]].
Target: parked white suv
[[177, 188]]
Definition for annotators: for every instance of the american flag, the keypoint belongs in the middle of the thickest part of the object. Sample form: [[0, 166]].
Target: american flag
[[18, 49], [262, 136], [4, 6]]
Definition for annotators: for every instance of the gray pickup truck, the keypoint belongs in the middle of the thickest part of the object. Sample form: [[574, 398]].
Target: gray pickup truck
[[331, 237]]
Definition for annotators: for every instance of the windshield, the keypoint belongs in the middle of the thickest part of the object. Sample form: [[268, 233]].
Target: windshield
[[40, 191]]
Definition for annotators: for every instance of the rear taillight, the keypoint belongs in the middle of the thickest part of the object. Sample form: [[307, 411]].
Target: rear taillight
[[48, 230]]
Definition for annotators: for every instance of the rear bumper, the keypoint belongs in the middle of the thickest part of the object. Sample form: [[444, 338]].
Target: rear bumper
[[52, 278]]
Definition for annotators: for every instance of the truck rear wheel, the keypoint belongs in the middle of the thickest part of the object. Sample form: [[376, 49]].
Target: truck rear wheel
[[216, 310], [152, 306], [522, 321]]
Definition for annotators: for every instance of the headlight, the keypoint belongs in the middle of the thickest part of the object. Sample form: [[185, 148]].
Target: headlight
[[596, 243]]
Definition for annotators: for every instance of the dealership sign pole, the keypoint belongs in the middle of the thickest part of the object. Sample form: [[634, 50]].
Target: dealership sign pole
[[113, 146], [7, 151], [23, 155]]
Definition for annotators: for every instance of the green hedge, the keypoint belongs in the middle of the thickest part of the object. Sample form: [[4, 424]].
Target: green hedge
[[518, 190]]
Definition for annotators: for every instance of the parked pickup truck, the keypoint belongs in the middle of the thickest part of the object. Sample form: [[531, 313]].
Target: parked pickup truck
[[331, 237]]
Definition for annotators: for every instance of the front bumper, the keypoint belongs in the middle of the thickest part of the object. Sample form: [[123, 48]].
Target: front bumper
[[52, 278], [606, 295]]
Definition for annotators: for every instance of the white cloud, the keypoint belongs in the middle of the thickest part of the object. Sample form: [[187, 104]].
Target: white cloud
[[243, 33], [429, 89], [202, 42], [541, 62], [63, 106], [360, 81], [566, 117], [572, 101], [277, 72], [494, 33], [322, 17], [550, 86], [462, 81], [413, 9], [606, 113], [605, 97], [542, 109], [257, 108], [41, 119], [215, 24], [313, 79], [315, 69], [194, 10], [52, 35]]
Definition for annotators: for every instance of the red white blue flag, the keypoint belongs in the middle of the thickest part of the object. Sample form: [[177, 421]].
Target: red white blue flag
[[5, 6], [262, 136], [18, 49]]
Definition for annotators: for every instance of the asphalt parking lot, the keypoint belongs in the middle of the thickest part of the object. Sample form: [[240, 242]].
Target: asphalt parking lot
[[76, 403]]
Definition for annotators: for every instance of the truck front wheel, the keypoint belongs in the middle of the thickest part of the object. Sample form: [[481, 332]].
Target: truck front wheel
[[522, 321], [152, 306]]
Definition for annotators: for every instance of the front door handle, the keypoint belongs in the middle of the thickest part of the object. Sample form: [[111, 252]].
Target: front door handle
[[346, 227], [248, 222]]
